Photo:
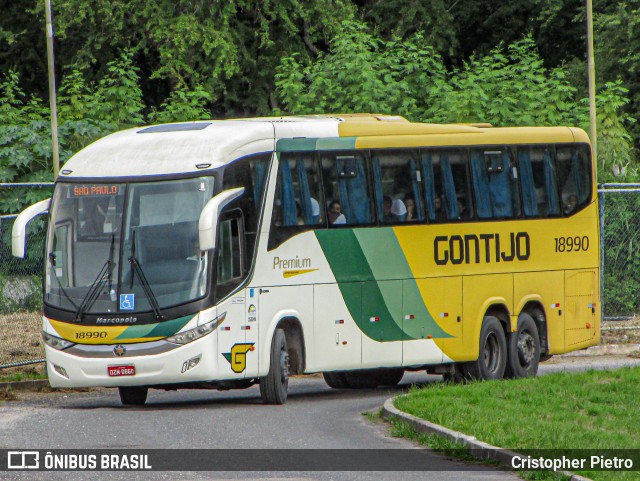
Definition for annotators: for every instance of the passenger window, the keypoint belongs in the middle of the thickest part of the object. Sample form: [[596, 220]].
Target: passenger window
[[446, 186], [573, 165], [538, 180], [298, 204], [494, 183], [297, 201], [346, 189], [397, 183]]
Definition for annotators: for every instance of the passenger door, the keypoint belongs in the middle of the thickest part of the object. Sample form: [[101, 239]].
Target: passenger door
[[238, 334]]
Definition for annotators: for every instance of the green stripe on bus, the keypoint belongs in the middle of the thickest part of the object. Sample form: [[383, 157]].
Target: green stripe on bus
[[387, 261], [349, 265], [357, 258], [296, 145], [336, 143]]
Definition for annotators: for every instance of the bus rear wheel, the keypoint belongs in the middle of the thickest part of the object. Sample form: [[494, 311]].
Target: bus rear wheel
[[274, 386], [133, 396], [492, 358], [524, 349], [336, 380]]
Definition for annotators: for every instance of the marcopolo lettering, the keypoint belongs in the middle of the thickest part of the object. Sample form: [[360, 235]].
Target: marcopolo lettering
[[483, 248]]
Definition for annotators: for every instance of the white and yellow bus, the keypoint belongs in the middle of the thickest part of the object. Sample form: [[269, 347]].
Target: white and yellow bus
[[223, 254]]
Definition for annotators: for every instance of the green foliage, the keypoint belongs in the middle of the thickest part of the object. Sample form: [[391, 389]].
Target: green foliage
[[509, 86], [615, 143], [230, 48], [362, 73], [183, 105]]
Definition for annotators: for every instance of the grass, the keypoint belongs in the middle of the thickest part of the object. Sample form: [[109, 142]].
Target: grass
[[23, 373], [458, 451], [594, 410]]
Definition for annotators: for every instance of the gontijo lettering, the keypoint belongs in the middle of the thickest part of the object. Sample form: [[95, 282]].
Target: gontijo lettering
[[477, 249]]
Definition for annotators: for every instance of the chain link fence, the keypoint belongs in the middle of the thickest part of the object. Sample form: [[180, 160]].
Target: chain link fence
[[620, 211], [21, 279]]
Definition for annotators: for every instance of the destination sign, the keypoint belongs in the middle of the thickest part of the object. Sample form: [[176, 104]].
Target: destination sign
[[95, 190]]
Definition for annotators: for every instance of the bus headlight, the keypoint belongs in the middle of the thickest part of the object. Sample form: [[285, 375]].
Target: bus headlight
[[56, 342], [197, 332]]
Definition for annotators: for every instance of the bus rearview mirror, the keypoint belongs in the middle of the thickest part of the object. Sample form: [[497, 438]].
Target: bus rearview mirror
[[19, 232], [208, 223]]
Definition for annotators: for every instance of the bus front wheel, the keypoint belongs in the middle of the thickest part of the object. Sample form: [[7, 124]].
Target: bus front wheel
[[492, 358], [133, 396], [274, 386], [524, 348]]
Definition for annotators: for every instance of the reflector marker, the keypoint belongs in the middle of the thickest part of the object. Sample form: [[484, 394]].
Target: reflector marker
[[340, 321], [226, 328], [555, 306], [408, 317], [444, 314], [374, 319], [592, 306], [246, 328]]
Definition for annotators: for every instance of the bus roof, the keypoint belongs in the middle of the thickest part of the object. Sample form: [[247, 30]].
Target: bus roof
[[191, 147]]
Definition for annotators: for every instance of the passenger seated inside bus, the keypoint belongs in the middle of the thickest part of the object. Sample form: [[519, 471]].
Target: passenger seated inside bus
[[335, 215], [398, 211], [387, 216], [410, 205], [570, 204]]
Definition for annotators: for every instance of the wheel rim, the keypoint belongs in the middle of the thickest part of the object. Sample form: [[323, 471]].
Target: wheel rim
[[526, 348], [491, 353], [284, 367]]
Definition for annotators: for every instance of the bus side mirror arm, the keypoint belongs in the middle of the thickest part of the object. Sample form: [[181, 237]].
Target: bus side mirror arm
[[19, 232], [208, 223]]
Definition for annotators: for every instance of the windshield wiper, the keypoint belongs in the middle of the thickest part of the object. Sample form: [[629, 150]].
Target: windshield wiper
[[137, 269], [94, 290], [52, 261]]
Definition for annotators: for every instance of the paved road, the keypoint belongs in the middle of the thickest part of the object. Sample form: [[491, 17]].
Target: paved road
[[315, 417]]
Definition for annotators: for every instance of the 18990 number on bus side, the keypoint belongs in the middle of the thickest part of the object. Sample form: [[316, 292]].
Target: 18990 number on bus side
[[572, 244]]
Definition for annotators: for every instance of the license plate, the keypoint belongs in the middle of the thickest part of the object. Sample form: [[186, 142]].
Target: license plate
[[116, 371]]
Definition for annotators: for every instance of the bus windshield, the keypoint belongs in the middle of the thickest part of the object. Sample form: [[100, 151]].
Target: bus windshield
[[126, 248]]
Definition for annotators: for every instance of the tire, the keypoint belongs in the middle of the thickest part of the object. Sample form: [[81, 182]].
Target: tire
[[274, 386], [336, 380], [365, 379], [524, 348], [133, 396], [455, 377], [389, 377], [492, 357]]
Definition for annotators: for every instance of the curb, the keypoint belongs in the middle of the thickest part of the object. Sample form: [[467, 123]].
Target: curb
[[32, 385], [604, 350], [478, 449]]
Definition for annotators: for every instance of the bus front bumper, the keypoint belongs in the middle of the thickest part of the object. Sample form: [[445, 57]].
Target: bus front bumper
[[195, 361]]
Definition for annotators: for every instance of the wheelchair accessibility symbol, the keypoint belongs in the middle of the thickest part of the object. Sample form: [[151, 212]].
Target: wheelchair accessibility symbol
[[127, 302]]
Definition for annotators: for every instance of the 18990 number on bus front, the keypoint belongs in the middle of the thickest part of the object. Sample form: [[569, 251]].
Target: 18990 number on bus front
[[572, 244]]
